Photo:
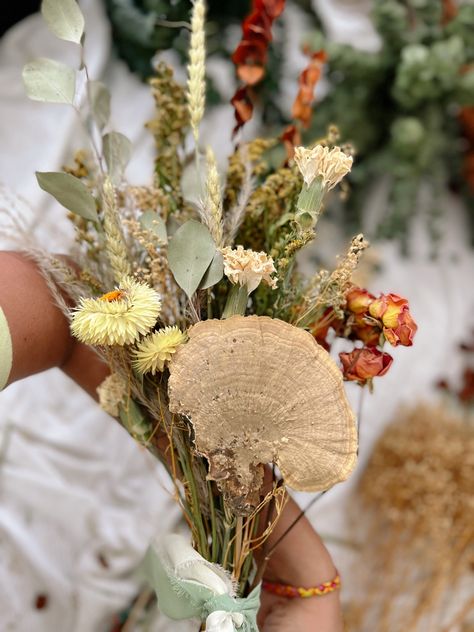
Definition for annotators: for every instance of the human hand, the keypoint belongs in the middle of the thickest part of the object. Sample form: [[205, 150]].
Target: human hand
[[315, 614]]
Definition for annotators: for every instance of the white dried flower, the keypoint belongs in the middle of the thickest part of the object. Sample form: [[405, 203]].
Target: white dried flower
[[112, 393], [247, 267], [331, 165]]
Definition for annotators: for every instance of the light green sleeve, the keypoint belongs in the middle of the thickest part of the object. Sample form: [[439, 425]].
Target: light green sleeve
[[6, 353]]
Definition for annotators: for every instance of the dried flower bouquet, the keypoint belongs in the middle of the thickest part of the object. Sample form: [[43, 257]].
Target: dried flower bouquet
[[217, 346]]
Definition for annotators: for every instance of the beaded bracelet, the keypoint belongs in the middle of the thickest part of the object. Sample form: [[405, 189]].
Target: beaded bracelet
[[292, 592]]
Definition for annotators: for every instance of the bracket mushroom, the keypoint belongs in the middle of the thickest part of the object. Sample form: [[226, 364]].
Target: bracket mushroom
[[258, 390]]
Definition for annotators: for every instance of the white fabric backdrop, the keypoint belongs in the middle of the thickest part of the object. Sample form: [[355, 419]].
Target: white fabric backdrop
[[74, 488]]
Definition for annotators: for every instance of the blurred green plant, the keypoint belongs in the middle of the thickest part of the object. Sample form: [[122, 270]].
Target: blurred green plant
[[404, 109]]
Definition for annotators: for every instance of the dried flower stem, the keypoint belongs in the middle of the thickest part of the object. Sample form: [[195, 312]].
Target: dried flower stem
[[333, 291], [236, 214]]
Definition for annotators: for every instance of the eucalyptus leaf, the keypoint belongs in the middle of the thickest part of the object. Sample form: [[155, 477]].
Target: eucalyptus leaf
[[190, 252], [49, 80], [117, 153], [70, 192], [64, 18], [214, 273], [100, 103], [150, 220]]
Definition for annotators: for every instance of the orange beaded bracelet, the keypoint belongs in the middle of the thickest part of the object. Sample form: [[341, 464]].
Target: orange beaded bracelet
[[293, 592]]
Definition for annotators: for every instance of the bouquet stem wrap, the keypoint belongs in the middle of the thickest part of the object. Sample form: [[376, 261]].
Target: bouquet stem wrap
[[190, 587]]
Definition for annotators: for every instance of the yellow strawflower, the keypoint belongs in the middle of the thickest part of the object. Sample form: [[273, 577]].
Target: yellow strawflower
[[156, 349], [119, 317]]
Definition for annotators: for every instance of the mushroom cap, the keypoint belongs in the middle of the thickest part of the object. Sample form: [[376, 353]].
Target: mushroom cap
[[258, 390]]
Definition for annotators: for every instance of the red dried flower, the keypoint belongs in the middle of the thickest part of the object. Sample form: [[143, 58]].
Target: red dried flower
[[393, 311], [243, 107], [358, 300], [250, 56], [273, 8], [290, 138], [308, 79], [320, 328], [365, 331], [362, 365], [257, 25]]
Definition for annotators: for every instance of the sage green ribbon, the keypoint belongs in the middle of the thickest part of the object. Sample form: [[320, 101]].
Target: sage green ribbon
[[6, 352], [189, 587]]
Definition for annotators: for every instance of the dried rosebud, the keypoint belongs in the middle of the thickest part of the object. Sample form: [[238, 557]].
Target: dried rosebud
[[367, 332], [393, 311], [361, 365], [358, 300]]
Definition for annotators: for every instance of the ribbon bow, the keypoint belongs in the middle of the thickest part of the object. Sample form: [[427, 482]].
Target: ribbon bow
[[190, 587], [221, 621]]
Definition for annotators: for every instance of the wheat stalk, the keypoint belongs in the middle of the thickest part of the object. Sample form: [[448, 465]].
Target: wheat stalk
[[196, 67], [114, 241]]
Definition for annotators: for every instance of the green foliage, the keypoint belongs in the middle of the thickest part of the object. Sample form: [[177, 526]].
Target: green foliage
[[117, 153], [64, 18], [150, 220], [214, 273], [50, 81], [190, 253], [100, 103], [70, 192], [399, 107]]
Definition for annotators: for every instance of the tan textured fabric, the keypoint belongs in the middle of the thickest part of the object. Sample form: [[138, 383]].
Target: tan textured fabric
[[5, 350]]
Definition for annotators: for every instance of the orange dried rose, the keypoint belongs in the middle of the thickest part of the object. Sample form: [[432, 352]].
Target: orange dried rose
[[362, 365], [358, 300], [362, 325], [320, 328], [367, 332], [393, 311]]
